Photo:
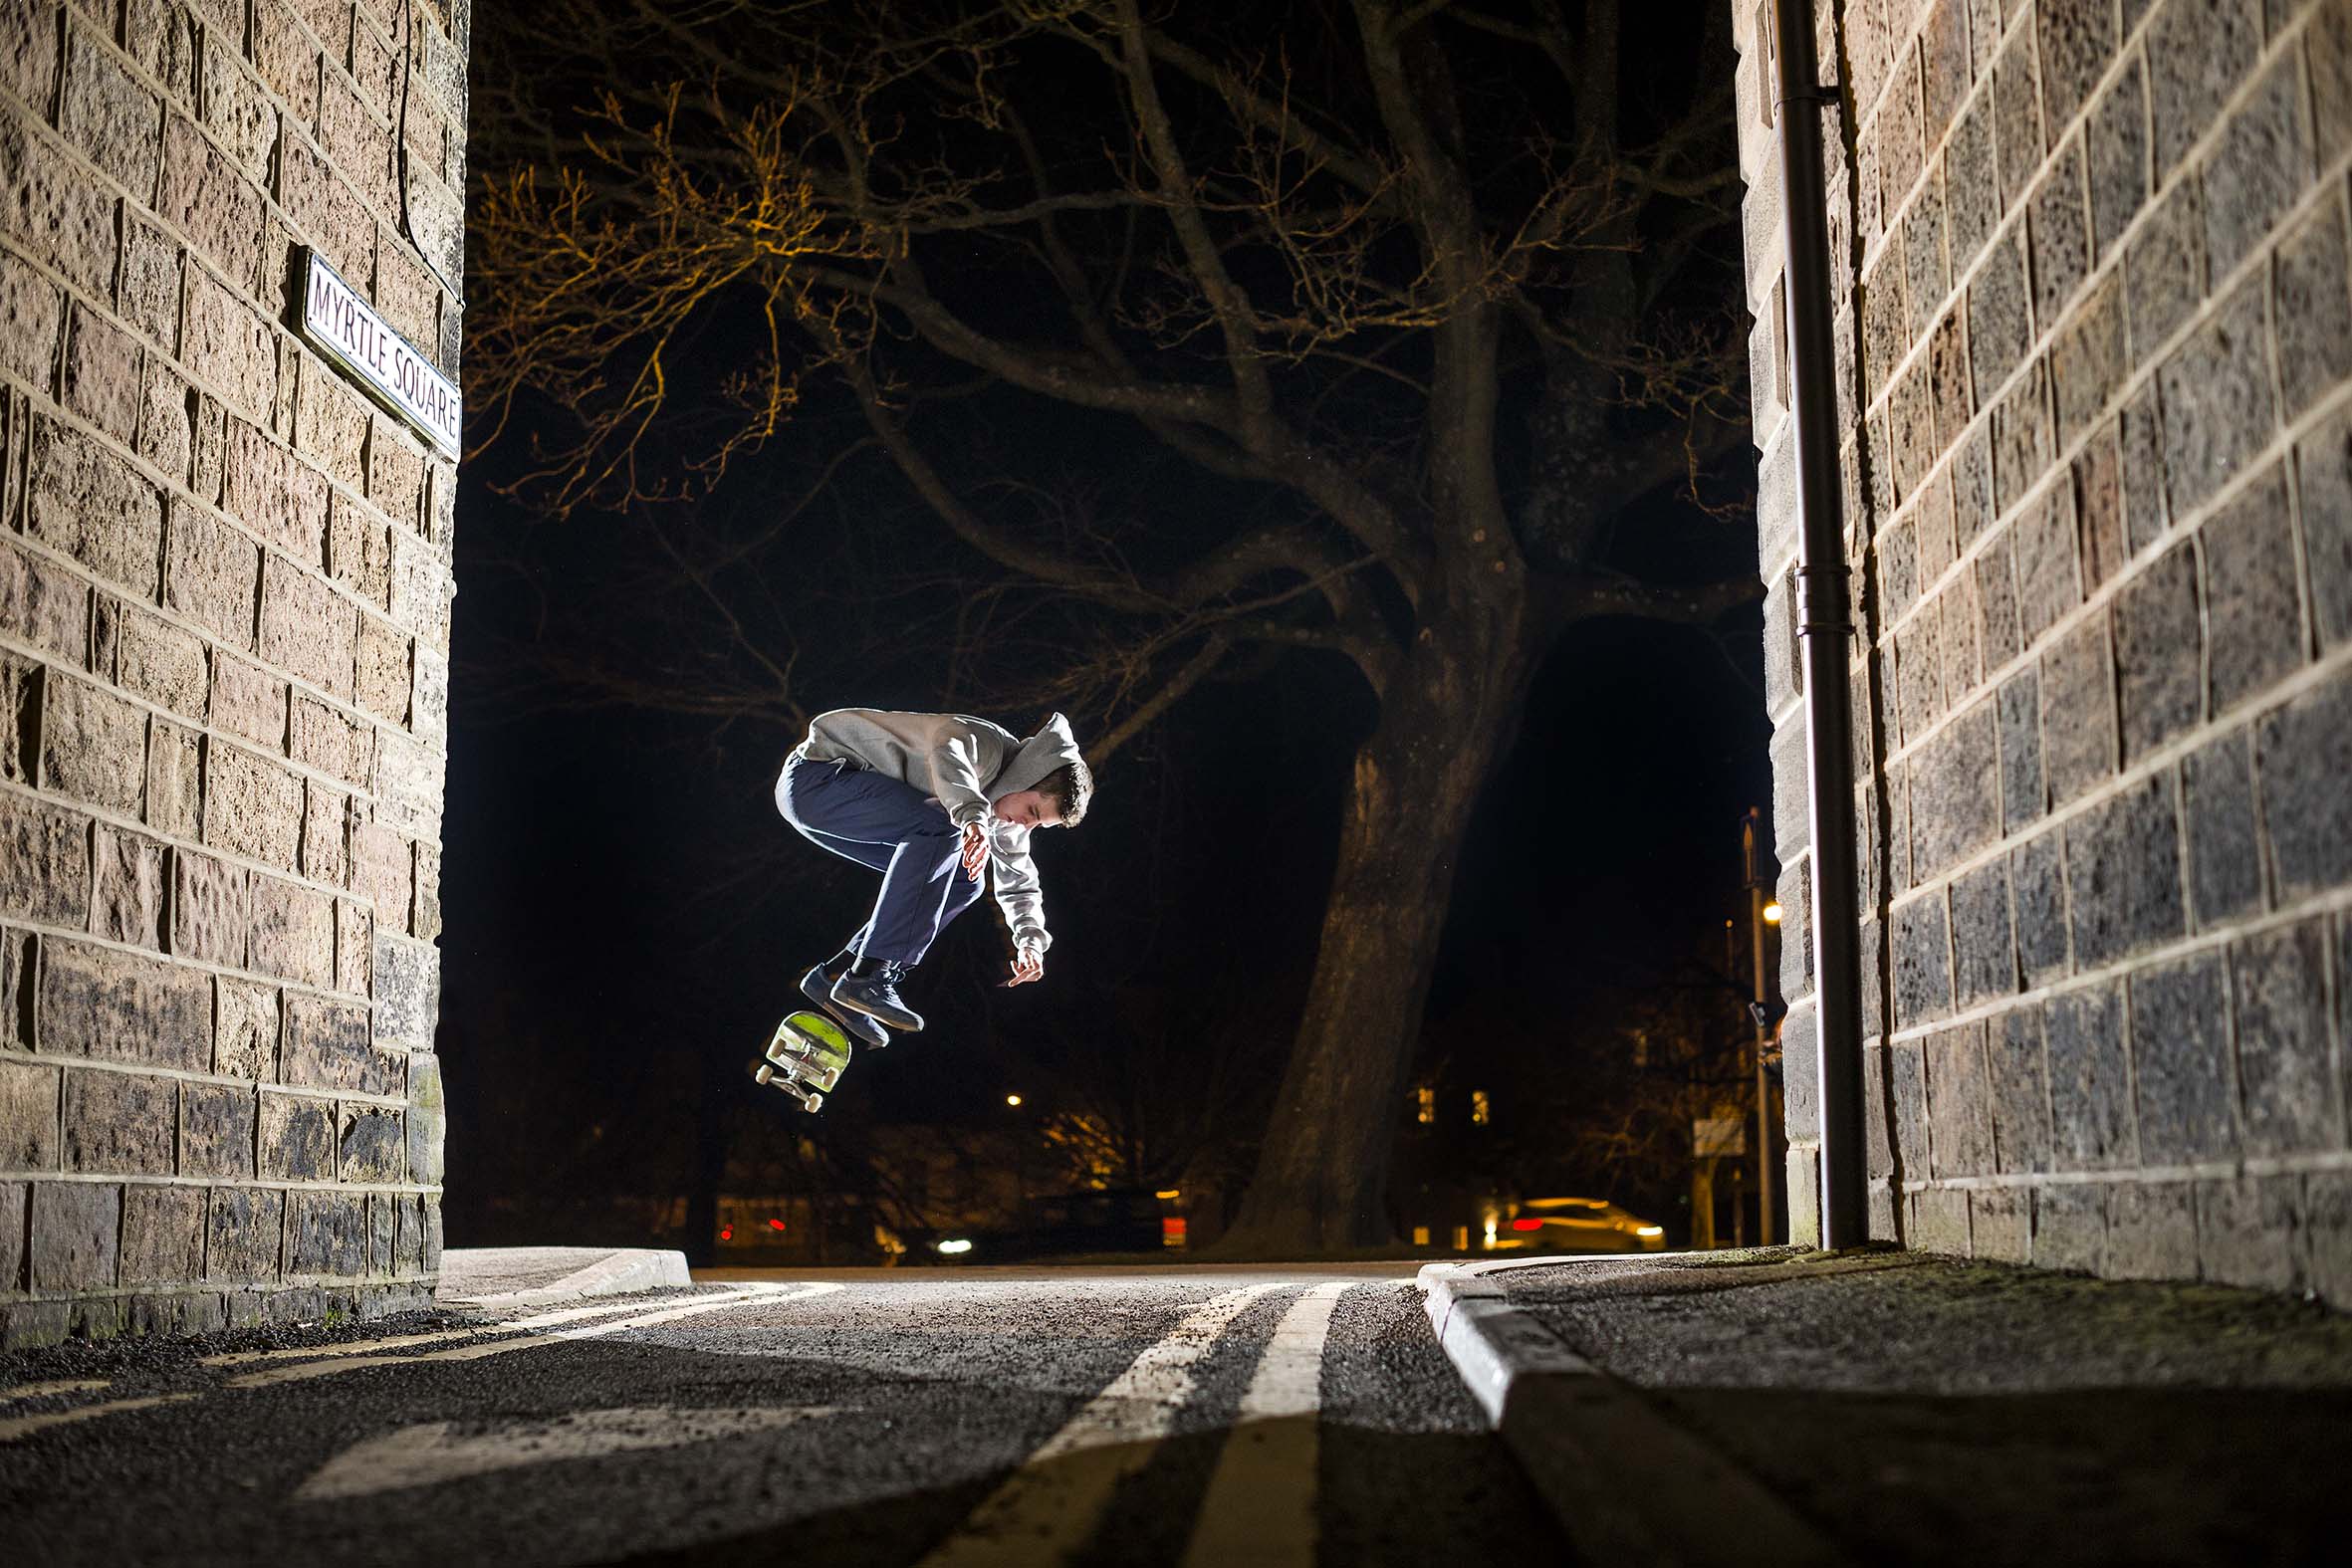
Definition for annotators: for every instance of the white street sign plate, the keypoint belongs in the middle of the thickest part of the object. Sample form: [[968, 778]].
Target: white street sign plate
[[347, 329]]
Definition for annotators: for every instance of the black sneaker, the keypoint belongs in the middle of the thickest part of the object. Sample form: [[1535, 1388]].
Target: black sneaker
[[875, 994], [818, 986]]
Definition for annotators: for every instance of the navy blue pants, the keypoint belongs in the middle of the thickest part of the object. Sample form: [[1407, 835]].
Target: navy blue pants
[[889, 826]]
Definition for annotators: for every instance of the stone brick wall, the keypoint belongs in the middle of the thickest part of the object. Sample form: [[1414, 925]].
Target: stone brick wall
[[225, 631], [2094, 336]]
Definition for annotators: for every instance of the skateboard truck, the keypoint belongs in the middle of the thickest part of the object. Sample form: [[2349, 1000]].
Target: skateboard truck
[[805, 1058]]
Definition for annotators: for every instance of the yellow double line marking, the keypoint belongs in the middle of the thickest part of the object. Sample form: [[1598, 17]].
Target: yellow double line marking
[[1048, 1508], [1259, 1508], [1261, 1505]]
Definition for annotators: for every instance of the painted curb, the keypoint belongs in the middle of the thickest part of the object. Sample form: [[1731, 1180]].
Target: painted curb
[[624, 1272], [1625, 1483]]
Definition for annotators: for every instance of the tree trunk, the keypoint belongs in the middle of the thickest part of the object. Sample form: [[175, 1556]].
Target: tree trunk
[[1323, 1169]]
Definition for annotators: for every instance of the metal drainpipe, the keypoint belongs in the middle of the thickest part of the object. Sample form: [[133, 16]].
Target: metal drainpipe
[[1824, 626], [1752, 861]]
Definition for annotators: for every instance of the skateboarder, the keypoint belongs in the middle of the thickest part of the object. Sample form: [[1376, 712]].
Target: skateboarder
[[931, 801]]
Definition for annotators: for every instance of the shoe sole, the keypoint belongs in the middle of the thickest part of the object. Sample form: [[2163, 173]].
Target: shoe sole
[[882, 1018]]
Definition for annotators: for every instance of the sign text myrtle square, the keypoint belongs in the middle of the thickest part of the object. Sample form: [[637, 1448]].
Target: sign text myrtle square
[[348, 332]]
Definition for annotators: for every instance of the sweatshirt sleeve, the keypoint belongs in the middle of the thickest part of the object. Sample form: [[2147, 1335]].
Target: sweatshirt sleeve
[[1019, 893], [959, 765]]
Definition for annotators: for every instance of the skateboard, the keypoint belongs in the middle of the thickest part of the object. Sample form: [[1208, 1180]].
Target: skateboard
[[805, 1058]]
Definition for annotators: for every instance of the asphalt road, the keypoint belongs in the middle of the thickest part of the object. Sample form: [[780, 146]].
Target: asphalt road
[[952, 1418]]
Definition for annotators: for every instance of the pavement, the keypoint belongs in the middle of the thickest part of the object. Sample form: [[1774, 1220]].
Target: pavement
[[1780, 1405]]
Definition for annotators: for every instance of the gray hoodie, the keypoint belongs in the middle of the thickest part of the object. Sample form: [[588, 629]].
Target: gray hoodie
[[966, 765]]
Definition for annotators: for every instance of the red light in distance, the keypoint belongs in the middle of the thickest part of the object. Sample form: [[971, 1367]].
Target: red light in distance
[[1527, 1225], [776, 1224]]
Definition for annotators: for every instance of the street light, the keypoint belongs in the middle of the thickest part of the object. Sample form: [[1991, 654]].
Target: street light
[[1012, 1099], [1772, 913]]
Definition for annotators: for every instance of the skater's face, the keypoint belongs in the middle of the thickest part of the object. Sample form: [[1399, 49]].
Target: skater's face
[[1029, 808]]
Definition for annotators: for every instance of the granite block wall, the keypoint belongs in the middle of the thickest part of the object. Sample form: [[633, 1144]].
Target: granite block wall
[[2094, 342], [224, 618]]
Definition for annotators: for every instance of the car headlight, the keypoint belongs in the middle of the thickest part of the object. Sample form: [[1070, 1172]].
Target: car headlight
[[953, 1246], [1649, 1230]]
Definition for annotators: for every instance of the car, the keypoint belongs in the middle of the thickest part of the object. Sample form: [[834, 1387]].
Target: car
[[1577, 1225], [1066, 1223]]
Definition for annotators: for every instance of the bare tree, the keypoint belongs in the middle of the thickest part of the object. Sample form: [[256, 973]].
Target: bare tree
[[1390, 290]]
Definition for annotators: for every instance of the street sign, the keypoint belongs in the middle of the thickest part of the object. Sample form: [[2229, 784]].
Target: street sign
[[388, 366]]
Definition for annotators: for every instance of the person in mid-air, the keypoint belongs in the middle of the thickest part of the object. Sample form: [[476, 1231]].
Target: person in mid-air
[[932, 801]]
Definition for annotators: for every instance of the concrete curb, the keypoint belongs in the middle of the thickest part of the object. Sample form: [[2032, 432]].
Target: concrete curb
[[1626, 1483], [621, 1272]]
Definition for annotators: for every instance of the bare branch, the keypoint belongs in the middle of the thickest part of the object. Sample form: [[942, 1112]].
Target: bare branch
[[1017, 555], [1594, 597], [1147, 713], [1226, 299], [1278, 116]]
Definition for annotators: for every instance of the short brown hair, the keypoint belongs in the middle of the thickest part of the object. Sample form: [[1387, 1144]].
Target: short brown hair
[[1070, 787]]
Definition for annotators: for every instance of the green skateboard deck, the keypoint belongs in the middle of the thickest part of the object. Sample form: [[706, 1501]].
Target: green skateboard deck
[[806, 1057]]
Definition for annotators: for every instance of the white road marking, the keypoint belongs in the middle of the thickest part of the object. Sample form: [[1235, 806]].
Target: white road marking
[[438, 1450], [26, 1426], [359, 1347], [45, 1389], [1290, 1373], [1054, 1503], [500, 1347], [1259, 1508]]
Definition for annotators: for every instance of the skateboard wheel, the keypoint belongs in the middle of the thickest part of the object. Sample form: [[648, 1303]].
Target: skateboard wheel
[[762, 1073], [813, 1103]]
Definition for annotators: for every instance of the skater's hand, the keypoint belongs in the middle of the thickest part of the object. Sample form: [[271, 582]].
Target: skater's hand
[[975, 851], [1027, 965]]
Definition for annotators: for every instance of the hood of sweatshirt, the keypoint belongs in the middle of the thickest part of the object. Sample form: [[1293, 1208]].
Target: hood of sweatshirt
[[1051, 748]]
